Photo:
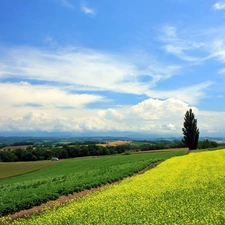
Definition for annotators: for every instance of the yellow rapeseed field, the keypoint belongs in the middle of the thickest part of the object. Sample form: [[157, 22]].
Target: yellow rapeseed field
[[182, 190]]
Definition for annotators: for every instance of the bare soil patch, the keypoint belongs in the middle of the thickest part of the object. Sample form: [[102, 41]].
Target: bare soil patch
[[115, 143]]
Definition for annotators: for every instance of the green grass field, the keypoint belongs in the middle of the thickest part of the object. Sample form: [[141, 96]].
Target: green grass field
[[139, 143], [18, 168], [72, 175], [182, 190]]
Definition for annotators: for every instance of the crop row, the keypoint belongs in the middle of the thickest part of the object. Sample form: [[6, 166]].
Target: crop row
[[182, 190], [68, 176]]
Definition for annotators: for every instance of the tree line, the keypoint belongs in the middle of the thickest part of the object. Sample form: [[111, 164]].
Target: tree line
[[71, 151], [63, 152]]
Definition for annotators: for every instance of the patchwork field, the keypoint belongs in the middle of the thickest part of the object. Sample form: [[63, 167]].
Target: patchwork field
[[68, 176], [182, 190]]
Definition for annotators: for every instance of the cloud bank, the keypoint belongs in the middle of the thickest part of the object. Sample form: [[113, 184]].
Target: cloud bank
[[152, 116]]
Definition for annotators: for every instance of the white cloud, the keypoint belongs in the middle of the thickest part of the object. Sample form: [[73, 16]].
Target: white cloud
[[151, 115], [219, 6], [191, 94], [211, 122], [87, 10], [169, 127], [217, 50], [181, 43], [195, 46], [87, 70], [147, 116], [23, 94], [84, 69], [179, 51]]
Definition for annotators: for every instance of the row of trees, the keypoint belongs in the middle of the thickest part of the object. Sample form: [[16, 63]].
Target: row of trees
[[207, 144]]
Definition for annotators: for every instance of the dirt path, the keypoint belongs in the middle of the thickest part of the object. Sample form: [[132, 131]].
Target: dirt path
[[63, 199]]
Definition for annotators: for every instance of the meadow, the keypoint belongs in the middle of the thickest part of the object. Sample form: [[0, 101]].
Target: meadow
[[18, 168], [72, 175], [182, 190]]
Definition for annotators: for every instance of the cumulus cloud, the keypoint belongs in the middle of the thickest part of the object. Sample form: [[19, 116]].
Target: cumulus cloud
[[34, 121], [147, 116], [150, 116], [219, 6]]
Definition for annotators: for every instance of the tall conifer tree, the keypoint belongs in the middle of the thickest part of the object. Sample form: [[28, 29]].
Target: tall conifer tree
[[190, 130]]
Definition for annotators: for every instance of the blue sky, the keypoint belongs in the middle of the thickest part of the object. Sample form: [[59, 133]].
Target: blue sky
[[112, 66]]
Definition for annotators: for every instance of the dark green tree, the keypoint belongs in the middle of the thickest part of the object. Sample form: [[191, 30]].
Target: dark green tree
[[190, 130]]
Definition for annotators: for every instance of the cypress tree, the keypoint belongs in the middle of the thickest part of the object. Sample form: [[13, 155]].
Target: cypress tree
[[190, 130]]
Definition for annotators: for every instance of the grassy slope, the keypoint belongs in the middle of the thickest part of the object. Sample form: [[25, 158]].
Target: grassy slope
[[25, 191], [182, 190]]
